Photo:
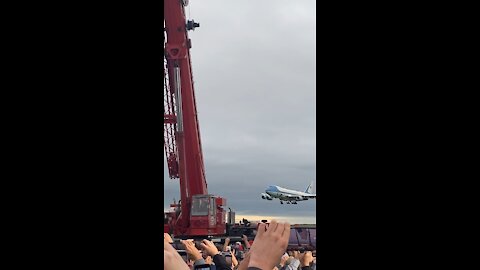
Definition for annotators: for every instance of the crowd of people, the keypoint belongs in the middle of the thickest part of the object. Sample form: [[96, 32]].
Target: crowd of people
[[267, 252]]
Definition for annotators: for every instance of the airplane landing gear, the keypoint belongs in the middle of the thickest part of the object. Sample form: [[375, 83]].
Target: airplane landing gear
[[281, 202]]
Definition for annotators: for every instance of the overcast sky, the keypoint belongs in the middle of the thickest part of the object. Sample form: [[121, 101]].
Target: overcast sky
[[254, 68]]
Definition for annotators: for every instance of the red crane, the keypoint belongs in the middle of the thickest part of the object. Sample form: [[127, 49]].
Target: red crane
[[197, 213]]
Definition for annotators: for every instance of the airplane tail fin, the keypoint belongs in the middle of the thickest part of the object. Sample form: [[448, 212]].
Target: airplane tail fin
[[309, 188]]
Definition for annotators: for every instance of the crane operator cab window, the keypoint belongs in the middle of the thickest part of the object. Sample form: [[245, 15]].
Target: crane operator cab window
[[201, 206]]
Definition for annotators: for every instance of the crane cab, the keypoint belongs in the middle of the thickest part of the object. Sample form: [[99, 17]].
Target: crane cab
[[207, 216]]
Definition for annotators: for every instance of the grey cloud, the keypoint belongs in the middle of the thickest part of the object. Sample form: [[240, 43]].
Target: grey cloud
[[254, 71]]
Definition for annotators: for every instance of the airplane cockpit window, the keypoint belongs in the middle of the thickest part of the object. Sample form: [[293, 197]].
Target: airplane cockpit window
[[273, 188]]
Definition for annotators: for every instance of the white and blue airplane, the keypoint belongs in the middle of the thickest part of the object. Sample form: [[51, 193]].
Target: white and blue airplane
[[288, 195]]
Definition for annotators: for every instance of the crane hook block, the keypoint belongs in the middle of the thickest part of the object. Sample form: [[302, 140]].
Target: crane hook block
[[191, 25]]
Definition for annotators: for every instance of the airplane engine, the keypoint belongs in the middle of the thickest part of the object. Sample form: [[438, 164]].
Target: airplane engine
[[266, 197]]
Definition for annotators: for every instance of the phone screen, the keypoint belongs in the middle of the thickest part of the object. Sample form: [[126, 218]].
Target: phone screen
[[202, 267]]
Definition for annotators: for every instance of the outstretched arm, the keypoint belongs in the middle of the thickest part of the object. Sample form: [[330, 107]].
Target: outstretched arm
[[234, 259]]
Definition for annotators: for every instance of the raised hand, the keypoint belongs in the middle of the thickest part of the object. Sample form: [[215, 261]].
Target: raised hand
[[225, 245], [283, 260], [306, 259], [191, 249], [269, 245], [245, 240], [209, 247], [208, 260], [296, 254]]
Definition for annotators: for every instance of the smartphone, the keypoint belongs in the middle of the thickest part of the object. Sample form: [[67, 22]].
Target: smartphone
[[184, 255], [228, 259], [202, 267]]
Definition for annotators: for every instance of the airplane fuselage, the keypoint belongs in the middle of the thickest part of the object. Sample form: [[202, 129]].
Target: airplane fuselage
[[284, 194], [279, 191]]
